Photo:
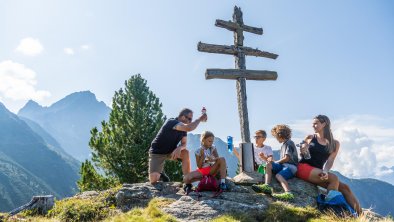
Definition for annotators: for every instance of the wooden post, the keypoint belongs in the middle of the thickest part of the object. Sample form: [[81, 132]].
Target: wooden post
[[241, 82], [40, 203], [240, 74]]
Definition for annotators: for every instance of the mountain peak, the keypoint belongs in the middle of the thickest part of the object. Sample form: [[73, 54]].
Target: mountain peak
[[82, 94], [31, 106], [81, 98]]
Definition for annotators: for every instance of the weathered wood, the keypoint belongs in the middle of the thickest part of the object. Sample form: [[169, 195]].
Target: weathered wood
[[247, 164], [243, 109], [233, 50], [234, 74], [238, 34], [240, 64], [240, 74], [232, 26], [42, 204]]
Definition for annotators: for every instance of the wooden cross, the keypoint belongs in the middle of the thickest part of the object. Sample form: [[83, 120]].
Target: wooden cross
[[240, 73]]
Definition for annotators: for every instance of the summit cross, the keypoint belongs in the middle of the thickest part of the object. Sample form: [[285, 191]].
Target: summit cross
[[240, 73]]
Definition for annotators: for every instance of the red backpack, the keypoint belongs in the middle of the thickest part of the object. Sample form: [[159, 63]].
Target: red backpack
[[208, 183]]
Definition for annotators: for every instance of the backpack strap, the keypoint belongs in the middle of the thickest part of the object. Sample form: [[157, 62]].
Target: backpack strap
[[217, 193]]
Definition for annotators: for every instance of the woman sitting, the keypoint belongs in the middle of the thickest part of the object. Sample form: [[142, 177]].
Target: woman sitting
[[318, 155]]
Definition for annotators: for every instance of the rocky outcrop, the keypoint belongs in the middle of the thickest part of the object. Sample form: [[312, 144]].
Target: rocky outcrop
[[196, 207], [240, 199]]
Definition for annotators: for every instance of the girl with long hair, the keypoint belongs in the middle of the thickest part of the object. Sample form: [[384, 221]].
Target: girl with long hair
[[318, 155]]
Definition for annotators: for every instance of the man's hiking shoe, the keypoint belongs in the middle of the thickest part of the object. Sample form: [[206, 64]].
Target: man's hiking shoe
[[223, 186], [164, 177], [187, 188], [263, 188], [286, 196]]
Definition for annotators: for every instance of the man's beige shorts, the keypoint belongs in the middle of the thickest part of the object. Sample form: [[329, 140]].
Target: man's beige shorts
[[156, 162]]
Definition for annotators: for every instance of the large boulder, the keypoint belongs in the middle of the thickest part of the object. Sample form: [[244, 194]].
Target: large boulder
[[139, 194], [203, 206]]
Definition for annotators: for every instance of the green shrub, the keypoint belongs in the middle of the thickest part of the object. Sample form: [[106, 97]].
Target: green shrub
[[29, 213], [71, 210]]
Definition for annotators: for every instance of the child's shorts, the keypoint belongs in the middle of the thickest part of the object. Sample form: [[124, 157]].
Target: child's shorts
[[205, 170], [284, 171]]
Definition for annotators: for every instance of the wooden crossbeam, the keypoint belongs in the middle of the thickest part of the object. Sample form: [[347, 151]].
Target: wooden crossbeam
[[237, 73], [232, 50], [232, 26]]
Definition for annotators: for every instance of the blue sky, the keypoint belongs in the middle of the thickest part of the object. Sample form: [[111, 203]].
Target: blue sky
[[335, 58]]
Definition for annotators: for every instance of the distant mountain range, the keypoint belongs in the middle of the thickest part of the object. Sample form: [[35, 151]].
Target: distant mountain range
[[69, 120], [389, 177], [39, 146], [31, 165]]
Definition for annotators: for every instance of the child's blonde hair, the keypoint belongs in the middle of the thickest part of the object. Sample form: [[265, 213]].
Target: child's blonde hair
[[281, 131], [205, 135]]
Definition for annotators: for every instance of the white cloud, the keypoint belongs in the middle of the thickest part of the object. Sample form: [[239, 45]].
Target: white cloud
[[30, 47], [17, 82], [68, 51], [85, 47], [367, 144]]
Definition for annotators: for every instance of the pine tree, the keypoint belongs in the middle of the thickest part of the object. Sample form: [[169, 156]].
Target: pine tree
[[121, 148], [91, 180]]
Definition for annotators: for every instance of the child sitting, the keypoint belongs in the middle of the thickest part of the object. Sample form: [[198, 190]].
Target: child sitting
[[208, 163], [262, 152], [285, 168]]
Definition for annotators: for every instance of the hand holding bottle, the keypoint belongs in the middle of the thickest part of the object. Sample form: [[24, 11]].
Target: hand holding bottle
[[304, 149], [204, 116]]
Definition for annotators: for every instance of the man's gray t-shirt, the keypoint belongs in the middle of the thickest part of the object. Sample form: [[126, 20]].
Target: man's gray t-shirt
[[289, 148]]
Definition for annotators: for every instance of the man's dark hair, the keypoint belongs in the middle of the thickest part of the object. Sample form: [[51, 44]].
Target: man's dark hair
[[185, 112]]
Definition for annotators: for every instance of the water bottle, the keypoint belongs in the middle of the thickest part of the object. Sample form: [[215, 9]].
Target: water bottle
[[203, 111], [230, 144], [306, 154]]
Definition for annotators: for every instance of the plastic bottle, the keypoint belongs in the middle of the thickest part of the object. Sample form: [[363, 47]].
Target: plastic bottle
[[203, 111], [230, 144], [306, 154], [261, 168]]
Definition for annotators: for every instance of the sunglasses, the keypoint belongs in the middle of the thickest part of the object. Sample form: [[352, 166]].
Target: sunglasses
[[190, 119], [257, 137]]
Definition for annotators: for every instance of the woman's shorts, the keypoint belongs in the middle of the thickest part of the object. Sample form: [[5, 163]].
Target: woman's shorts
[[304, 171], [205, 170]]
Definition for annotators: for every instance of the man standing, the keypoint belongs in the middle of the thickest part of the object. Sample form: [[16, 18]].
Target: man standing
[[166, 143]]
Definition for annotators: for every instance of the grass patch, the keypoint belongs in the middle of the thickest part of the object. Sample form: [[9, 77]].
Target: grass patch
[[331, 217], [151, 213], [93, 209], [79, 210], [284, 212], [234, 218], [275, 212]]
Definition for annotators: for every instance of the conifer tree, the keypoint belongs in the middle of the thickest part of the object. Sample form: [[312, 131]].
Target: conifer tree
[[121, 148], [91, 180]]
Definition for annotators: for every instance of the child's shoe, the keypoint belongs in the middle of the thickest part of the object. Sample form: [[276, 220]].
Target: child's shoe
[[188, 188], [223, 186], [262, 188], [286, 196]]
